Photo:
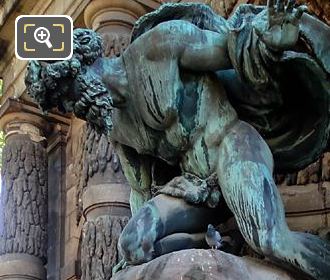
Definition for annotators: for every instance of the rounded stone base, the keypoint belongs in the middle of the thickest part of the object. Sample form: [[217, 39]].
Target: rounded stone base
[[204, 265], [21, 267]]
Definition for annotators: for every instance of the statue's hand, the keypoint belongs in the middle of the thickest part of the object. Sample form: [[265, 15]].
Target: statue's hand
[[280, 30]]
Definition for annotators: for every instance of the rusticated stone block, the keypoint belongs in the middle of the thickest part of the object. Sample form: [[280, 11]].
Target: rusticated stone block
[[305, 198], [309, 223], [306, 206], [326, 189]]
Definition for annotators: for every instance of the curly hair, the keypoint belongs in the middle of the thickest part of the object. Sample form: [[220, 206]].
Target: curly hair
[[55, 84]]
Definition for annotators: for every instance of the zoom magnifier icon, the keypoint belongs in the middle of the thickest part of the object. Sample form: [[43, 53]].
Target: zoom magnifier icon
[[41, 35]]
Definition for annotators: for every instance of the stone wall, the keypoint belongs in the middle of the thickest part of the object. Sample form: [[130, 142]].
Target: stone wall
[[321, 8], [306, 196]]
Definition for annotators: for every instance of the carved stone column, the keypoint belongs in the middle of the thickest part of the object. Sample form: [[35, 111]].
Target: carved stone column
[[114, 19], [103, 197], [23, 198]]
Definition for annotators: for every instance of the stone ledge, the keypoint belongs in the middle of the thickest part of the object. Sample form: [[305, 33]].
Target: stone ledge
[[106, 199], [21, 267]]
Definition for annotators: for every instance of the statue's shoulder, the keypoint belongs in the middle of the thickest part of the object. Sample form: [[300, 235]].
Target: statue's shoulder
[[198, 14]]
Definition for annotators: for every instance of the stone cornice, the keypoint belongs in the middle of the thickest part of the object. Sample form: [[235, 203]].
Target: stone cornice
[[154, 4], [14, 111], [103, 199]]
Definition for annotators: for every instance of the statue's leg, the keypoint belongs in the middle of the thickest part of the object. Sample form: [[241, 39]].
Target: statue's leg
[[245, 176], [152, 230], [179, 241]]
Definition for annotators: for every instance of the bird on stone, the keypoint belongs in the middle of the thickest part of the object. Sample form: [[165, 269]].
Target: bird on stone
[[213, 237]]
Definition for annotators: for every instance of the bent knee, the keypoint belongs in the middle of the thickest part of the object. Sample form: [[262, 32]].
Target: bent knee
[[134, 249], [136, 242]]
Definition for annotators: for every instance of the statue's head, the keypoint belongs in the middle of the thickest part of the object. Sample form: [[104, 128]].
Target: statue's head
[[69, 85], [87, 45]]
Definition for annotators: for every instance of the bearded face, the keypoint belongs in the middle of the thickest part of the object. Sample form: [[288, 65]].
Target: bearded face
[[70, 86]]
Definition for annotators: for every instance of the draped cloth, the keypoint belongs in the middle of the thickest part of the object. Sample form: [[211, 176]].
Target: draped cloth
[[285, 96]]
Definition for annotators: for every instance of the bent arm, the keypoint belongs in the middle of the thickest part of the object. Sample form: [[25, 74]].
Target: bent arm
[[192, 47], [206, 52]]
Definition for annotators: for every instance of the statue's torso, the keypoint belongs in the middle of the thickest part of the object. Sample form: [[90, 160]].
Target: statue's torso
[[174, 114]]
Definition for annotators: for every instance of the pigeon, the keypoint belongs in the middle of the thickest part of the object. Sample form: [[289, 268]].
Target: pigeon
[[213, 237]]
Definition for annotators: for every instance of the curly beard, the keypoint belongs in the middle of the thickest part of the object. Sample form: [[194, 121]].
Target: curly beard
[[51, 84], [94, 104]]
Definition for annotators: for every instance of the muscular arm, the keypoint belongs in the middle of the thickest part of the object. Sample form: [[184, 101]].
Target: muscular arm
[[192, 47], [137, 170]]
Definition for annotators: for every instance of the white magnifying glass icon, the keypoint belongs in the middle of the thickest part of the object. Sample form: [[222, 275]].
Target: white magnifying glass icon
[[41, 35]]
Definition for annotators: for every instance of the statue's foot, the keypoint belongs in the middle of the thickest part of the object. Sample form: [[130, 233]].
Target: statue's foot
[[164, 224]]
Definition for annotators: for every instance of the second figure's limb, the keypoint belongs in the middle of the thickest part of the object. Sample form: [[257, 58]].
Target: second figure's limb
[[137, 170], [164, 224], [245, 176]]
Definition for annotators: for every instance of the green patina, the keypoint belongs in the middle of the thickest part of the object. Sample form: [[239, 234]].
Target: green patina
[[220, 102]]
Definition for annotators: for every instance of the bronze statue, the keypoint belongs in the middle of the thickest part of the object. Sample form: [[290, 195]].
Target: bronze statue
[[189, 106]]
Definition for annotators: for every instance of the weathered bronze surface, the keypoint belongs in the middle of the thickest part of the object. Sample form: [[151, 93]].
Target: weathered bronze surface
[[197, 107]]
